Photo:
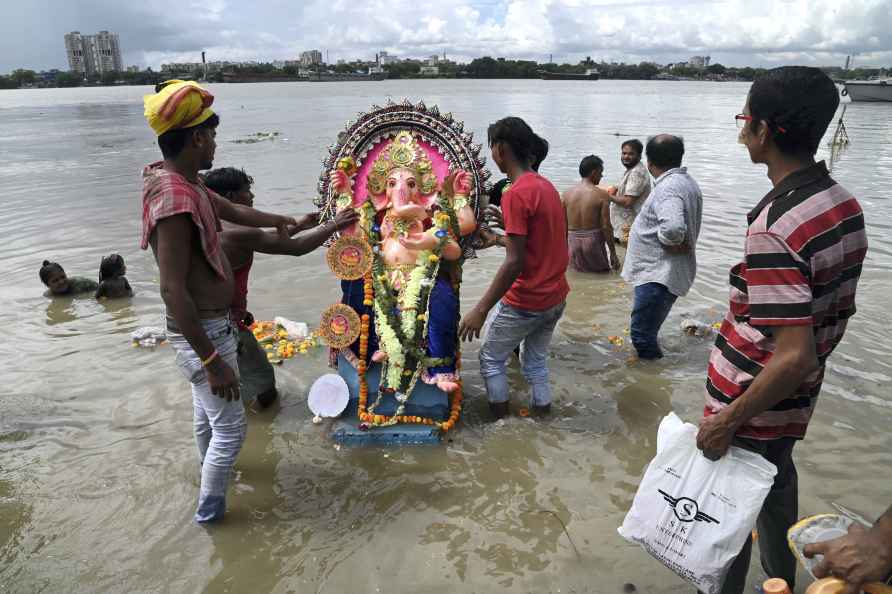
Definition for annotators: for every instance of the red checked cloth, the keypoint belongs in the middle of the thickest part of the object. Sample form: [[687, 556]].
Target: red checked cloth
[[166, 194]]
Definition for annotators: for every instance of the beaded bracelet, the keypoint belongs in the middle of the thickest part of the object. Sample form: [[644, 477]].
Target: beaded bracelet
[[210, 359]]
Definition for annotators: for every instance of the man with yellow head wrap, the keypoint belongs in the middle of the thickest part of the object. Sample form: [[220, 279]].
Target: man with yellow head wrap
[[181, 223], [178, 104]]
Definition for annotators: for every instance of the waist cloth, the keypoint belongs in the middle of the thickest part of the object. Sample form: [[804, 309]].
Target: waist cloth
[[588, 250]]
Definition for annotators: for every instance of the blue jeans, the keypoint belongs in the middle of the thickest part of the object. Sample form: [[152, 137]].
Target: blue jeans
[[652, 304], [219, 426], [505, 329]]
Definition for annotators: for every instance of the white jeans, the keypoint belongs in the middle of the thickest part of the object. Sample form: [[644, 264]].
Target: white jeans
[[220, 426]]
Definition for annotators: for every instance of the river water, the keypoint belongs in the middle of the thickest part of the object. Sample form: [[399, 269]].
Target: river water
[[98, 473]]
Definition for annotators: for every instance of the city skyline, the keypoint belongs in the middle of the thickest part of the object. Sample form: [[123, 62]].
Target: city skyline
[[818, 32], [93, 54]]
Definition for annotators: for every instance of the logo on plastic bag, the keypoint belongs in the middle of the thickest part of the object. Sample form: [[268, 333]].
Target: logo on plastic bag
[[686, 509]]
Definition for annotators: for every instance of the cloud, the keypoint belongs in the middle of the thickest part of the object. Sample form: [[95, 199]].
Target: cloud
[[736, 32]]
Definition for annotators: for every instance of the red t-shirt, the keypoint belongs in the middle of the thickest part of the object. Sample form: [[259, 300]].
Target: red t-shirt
[[532, 207]]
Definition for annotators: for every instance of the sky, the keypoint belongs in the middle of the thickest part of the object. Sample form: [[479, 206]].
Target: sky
[[733, 32]]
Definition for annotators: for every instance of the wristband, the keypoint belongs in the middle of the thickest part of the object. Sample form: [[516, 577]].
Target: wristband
[[210, 359]]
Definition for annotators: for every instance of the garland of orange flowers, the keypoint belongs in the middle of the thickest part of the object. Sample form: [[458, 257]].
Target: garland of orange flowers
[[362, 368]]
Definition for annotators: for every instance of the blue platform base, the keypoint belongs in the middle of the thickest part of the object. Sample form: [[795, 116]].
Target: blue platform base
[[425, 401], [347, 432]]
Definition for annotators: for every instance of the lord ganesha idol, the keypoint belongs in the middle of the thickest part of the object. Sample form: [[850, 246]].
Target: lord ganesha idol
[[415, 180]]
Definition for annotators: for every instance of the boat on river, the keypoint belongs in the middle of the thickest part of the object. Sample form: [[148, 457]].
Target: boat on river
[[590, 74], [874, 90]]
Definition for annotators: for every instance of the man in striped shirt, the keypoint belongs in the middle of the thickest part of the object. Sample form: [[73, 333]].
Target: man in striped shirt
[[790, 300]]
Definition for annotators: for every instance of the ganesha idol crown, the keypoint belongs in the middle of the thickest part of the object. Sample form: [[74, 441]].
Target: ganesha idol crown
[[431, 145], [403, 152]]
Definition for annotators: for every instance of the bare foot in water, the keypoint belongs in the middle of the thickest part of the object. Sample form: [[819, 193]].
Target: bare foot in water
[[379, 357], [448, 387]]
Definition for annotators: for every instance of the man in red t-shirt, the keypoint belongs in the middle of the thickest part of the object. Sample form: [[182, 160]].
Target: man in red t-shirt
[[526, 298]]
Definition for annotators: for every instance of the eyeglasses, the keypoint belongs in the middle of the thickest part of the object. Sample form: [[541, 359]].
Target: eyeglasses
[[743, 119]]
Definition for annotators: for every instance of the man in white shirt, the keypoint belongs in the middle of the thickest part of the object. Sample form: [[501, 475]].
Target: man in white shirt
[[628, 197]]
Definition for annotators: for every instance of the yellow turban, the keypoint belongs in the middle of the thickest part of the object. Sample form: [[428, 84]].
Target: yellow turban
[[180, 104]]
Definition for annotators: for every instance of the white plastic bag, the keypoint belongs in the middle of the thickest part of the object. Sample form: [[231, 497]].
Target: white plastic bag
[[692, 514], [295, 330]]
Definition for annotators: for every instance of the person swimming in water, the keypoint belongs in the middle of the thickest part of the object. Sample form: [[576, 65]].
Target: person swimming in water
[[112, 282], [53, 276]]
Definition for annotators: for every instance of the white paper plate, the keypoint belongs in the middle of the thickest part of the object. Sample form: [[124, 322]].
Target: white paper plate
[[328, 396]]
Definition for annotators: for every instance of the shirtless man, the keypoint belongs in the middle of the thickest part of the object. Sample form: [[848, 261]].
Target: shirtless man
[[589, 231], [256, 377], [181, 222]]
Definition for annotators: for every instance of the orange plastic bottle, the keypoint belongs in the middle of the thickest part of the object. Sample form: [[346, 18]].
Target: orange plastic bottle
[[776, 586], [833, 585]]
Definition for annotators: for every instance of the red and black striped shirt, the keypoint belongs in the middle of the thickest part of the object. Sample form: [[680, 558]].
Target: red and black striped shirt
[[805, 245]]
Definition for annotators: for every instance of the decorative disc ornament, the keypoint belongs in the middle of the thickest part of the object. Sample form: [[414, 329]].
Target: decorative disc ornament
[[358, 148], [350, 257], [328, 396], [340, 326]]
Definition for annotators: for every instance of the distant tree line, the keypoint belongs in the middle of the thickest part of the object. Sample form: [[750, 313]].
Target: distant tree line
[[485, 67], [57, 78]]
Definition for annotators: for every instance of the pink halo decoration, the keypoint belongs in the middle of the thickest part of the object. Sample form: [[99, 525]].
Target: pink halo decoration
[[360, 186]]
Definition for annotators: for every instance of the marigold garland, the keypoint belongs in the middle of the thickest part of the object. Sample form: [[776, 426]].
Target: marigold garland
[[383, 420]]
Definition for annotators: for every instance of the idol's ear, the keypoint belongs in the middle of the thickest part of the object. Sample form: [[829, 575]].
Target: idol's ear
[[428, 200], [379, 201]]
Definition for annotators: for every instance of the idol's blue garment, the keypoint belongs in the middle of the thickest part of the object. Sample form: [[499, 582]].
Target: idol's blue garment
[[442, 330]]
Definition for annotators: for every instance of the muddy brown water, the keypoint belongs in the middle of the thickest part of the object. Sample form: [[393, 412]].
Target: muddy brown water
[[98, 472]]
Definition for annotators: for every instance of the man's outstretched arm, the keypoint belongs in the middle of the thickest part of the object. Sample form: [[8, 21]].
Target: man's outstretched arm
[[303, 243], [250, 217], [508, 272], [627, 200]]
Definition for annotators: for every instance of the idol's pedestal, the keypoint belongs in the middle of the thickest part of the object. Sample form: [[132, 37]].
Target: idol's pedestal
[[426, 401]]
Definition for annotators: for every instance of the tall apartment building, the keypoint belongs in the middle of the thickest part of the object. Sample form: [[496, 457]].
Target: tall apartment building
[[699, 62], [93, 54], [74, 47], [384, 58], [310, 58]]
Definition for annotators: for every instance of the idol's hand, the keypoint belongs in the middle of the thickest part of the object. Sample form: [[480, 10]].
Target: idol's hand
[[422, 241], [461, 183], [447, 188], [340, 182]]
